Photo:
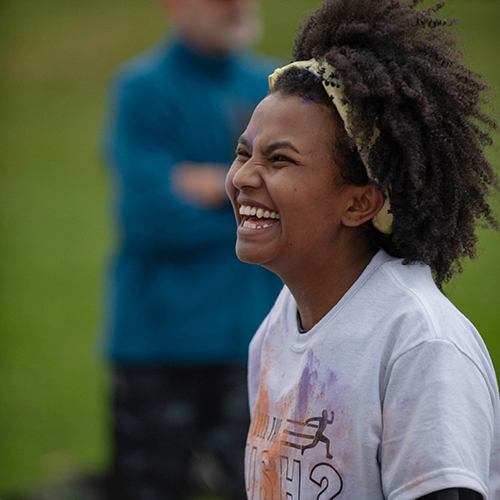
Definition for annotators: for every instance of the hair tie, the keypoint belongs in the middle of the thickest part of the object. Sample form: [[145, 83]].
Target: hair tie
[[335, 89]]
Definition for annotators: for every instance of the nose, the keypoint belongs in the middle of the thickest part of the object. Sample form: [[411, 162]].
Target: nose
[[245, 175]]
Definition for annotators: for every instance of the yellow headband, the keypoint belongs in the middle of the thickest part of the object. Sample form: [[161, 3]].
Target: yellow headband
[[335, 90]]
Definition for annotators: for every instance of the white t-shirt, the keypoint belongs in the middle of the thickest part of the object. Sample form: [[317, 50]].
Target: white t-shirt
[[392, 395]]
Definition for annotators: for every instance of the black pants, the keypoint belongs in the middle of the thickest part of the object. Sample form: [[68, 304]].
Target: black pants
[[163, 417]]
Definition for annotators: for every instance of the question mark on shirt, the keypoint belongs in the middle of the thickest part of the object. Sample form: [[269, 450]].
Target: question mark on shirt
[[325, 476]]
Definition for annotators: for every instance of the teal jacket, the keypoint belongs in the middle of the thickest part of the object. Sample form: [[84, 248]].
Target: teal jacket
[[179, 295]]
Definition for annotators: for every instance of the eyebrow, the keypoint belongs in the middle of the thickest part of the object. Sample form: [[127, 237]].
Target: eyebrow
[[267, 150]]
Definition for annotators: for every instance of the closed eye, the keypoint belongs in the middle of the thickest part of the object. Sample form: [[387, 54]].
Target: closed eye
[[281, 158], [242, 152]]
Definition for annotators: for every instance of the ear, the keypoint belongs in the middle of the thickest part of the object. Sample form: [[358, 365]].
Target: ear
[[364, 203]]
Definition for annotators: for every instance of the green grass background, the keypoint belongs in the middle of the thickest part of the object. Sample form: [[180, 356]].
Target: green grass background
[[56, 59]]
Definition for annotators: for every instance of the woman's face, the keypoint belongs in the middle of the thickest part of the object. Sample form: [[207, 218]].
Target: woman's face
[[284, 186]]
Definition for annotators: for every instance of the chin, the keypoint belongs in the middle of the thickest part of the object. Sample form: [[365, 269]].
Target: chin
[[249, 255], [246, 256]]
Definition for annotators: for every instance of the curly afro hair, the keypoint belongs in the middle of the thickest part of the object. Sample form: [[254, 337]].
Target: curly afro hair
[[401, 69]]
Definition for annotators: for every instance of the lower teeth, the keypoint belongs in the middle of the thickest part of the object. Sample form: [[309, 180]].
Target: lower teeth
[[250, 225]]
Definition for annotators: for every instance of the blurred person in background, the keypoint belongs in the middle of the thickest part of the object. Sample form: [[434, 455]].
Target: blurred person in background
[[182, 307]]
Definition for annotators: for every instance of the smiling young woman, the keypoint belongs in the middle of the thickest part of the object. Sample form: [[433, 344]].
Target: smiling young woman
[[285, 166], [359, 181]]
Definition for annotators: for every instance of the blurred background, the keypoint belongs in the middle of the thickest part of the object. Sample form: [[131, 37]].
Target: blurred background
[[56, 60]]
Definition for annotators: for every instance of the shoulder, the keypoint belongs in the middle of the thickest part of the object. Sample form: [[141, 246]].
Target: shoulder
[[274, 317], [143, 71], [414, 290], [407, 293], [415, 314]]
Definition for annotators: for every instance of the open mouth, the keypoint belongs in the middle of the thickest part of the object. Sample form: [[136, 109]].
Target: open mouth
[[257, 218]]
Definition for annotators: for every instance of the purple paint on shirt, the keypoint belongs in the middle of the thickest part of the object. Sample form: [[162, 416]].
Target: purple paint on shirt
[[304, 388], [332, 378], [309, 375]]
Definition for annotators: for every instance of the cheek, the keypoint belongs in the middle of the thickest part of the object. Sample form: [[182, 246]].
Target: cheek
[[308, 207]]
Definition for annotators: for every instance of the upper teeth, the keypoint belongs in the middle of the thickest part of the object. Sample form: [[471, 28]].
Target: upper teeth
[[259, 212]]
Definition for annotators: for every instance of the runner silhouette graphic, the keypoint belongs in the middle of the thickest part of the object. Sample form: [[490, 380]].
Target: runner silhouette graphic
[[322, 423]]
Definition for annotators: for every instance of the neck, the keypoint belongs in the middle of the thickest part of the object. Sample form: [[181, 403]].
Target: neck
[[318, 287]]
